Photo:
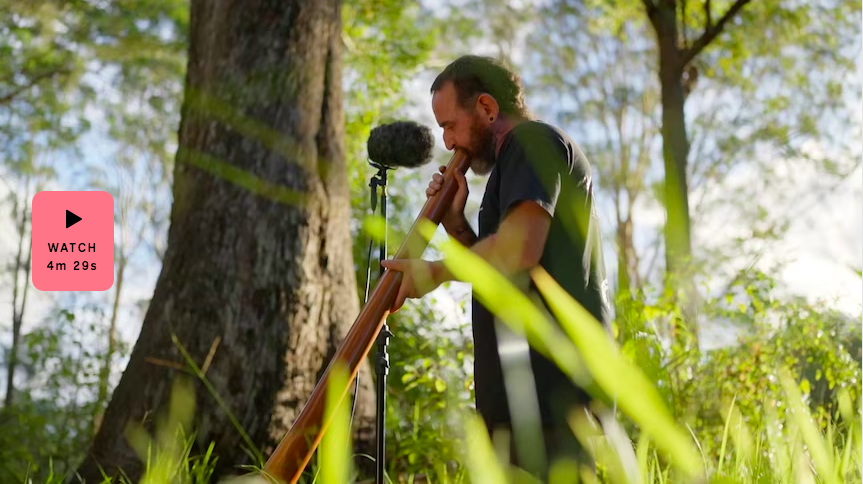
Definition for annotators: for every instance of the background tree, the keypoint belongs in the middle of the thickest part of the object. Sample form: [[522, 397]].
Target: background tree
[[593, 66], [37, 92], [740, 35], [597, 83], [258, 284]]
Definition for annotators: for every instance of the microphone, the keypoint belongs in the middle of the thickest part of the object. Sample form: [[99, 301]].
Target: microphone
[[400, 144]]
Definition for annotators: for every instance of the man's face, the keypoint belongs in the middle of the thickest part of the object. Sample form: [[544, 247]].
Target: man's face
[[465, 129]]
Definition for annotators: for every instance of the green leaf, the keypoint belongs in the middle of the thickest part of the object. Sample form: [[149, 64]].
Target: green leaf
[[620, 379], [811, 436]]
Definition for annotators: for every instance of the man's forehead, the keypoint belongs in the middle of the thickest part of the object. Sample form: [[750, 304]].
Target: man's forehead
[[443, 103]]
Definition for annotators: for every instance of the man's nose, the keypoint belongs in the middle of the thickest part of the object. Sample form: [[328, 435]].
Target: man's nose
[[448, 142]]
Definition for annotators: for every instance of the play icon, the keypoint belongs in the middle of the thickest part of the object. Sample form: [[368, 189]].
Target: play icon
[[71, 219], [79, 257]]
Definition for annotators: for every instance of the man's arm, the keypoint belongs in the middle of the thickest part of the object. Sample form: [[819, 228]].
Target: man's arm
[[463, 233], [517, 245]]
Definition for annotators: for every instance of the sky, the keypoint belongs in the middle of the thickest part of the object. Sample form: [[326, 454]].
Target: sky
[[822, 247]]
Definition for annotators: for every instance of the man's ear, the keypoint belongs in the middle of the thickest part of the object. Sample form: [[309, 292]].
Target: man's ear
[[488, 106]]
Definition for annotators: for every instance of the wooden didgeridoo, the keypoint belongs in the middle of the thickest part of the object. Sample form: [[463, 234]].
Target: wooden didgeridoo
[[297, 447]]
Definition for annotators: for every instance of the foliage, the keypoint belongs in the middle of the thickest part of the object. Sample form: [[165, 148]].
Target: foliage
[[40, 76], [813, 345], [738, 403], [57, 56], [386, 44], [54, 406], [61, 54], [593, 68], [751, 427], [430, 384]]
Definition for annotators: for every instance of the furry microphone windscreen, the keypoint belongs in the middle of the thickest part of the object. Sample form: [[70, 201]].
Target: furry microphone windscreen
[[400, 144]]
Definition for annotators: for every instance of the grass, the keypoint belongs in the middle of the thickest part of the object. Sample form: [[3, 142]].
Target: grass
[[787, 445], [785, 449]]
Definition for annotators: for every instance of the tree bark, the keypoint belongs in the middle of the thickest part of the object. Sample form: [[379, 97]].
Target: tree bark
[[675, 56], [675, 144], [105, 371], [627, 262], [675, 153], [18, 306], [272, 280]]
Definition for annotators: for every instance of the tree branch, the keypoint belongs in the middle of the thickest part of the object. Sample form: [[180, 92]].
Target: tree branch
[[7, 98], [712, 31], [707, 13], [683, 23], [650, 7]]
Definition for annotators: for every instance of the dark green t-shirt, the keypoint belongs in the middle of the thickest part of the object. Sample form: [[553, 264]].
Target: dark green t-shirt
[[539, 162]]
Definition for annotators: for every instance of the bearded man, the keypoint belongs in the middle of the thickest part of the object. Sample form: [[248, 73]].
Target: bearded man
[[537, 210]]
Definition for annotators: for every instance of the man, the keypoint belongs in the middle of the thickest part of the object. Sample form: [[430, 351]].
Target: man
[[537, 210]]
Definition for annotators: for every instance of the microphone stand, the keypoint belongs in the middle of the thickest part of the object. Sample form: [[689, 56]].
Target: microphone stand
[[382, 367]]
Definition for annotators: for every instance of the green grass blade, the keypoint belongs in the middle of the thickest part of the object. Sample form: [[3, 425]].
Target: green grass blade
[[482, 462], [814, 441], [641, 454], [722, 447], [619, 377], [511, 306], [334, 453]]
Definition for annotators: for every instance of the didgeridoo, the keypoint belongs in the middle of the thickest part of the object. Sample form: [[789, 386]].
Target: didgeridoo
[[297, 447]]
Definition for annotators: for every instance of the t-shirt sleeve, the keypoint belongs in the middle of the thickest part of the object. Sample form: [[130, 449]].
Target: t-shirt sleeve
[[530, 171]]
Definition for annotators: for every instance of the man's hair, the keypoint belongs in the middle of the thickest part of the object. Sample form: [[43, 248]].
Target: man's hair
[[472, 75]]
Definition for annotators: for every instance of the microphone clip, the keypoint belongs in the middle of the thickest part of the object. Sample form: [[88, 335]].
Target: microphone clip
[[378, 180]]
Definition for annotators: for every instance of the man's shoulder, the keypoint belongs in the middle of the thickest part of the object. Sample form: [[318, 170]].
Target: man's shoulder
[[536, 131], [542, 141]]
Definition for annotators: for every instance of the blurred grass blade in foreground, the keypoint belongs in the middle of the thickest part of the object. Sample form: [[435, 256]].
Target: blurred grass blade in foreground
[[617, 376], [334, 454]]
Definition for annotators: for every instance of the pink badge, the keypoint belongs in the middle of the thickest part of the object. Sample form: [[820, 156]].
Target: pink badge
[[73, 241]]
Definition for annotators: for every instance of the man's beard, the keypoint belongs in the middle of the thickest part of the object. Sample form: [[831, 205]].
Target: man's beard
[[483, 152]]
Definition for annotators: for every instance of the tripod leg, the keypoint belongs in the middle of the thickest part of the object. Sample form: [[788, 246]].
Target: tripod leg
[[382, 370], [383, 358]]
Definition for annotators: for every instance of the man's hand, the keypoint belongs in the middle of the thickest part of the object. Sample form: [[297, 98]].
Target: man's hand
[[419, 277], [453, 220]]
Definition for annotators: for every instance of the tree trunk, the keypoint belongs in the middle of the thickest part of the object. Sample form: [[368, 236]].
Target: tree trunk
[[675, 153], [105, 372], [259, 250], [19, 304], [679, 281], [627, 263]]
